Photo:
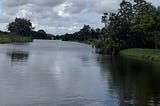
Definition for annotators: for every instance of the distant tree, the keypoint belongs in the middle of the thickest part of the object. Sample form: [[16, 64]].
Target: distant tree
[[66, 37], [41, 34], [85, 33], [57, 37], [41, 31], [20, 26]]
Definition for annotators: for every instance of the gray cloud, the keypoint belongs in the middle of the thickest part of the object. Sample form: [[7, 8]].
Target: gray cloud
[[58, 16], [46, 2], [13, 3]]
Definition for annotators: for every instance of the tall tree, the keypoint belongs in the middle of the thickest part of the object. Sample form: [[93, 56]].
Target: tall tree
[[158, 10], [119, 25], [21, 26], [85, 33], [141, 7], [144, 22], [41, 34]]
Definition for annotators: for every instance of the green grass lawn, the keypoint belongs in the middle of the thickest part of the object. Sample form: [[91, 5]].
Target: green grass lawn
[[14, 38], [148, 54]]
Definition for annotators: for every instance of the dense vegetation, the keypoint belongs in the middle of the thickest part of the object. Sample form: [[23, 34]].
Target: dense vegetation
[[135, 25], [20, 26], [21, 30], [85, 34]]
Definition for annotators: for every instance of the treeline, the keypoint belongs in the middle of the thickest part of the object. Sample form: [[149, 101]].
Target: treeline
[[135, 25], [24, 27], [85, 34], [21, 30]]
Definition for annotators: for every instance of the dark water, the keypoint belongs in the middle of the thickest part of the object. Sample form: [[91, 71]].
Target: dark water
[[56, 73]]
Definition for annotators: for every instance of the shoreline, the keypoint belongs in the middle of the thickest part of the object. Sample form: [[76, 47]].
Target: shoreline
[[152, 55], [5, 39]]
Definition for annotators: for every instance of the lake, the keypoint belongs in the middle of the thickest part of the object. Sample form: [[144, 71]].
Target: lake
[[57, 73]]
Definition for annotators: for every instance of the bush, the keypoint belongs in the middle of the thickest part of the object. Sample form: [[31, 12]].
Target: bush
[[106, 45]]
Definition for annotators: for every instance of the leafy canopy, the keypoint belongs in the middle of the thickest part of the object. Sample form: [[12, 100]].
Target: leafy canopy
[[20, 26]]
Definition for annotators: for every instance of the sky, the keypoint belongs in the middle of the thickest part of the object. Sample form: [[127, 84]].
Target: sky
[[58, 16]]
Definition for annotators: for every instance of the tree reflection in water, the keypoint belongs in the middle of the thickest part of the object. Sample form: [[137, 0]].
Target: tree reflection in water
[[137, 83], [18, 56]]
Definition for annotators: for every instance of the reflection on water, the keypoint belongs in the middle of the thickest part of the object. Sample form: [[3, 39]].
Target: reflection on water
[[136, 83], [18, 56], [56, 73]]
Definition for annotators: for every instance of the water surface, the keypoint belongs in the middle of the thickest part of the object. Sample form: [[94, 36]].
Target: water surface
[[56, 73]]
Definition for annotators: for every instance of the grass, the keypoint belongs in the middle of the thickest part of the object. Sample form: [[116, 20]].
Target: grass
[[146, 54], [11, 38]]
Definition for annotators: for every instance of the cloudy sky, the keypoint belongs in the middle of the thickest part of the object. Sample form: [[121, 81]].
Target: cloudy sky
[[58, 16]]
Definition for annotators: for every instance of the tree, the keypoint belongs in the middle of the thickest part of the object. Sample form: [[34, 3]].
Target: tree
[[41, 34], [41, 31], [85, 33], [20, 26], [118, 28], [158, 10], [144, 23], [141, 7]]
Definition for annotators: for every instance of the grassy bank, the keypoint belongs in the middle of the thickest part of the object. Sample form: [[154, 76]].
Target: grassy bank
[[14, 38], [146, 54]]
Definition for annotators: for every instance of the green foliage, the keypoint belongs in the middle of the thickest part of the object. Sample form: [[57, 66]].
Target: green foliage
[[23, 27], [141, 7], [21, 30], [20, 26], [86, 33], [134, 25], [143, 23], [40, 34], [106, 44], [119, 27]]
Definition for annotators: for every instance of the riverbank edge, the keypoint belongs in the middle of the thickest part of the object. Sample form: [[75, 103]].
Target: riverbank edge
[[97, 50], [152, 55], [14, 39]]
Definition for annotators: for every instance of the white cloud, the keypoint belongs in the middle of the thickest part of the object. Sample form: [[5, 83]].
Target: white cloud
[[24, 14], [61, 9], [58, 16]]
